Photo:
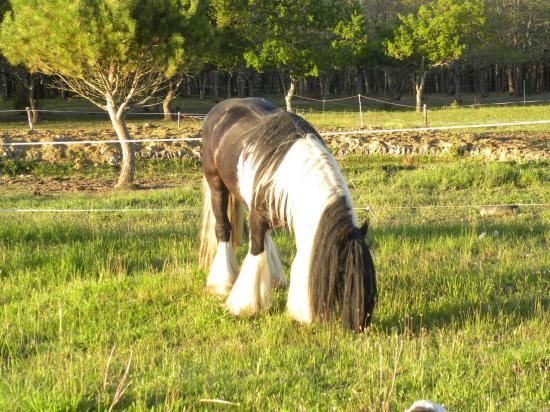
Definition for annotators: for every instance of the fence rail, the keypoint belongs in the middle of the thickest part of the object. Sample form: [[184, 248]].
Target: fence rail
[[368, 208], [343, 133]]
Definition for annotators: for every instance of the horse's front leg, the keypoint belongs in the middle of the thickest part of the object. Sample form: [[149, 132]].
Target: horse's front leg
[[299, 299], [252, 290]]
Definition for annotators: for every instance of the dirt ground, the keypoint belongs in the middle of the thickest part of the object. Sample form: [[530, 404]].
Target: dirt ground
[[488, 146]]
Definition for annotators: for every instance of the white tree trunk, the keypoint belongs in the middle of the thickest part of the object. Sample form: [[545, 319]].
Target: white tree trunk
[[420, 82], [32, 102], [166, 103], [290, 94], [127, 166]]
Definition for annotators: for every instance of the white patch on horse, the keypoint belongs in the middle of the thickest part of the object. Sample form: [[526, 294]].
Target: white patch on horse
[[224, 270], [252, 290], [308, 175]]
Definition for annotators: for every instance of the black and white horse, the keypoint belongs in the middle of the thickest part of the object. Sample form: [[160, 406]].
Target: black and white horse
[[276, 164]]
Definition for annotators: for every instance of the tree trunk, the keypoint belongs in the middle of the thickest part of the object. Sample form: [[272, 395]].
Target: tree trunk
[[510, 75], [240, 84], [215, 86], [228, 92], [290, 94], [127, 166], [419, 88], [202, 86], [170, 94], [282, 81], [358, 82], [457, 70], [367, 84], [324, 85], [32, 101]]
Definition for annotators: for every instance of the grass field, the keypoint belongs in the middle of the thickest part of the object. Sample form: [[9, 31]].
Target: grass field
[[339, 116], [101, 310]]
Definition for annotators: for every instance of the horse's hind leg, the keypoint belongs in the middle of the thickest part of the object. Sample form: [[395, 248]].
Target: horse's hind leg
[[225, 268], [252, 290]]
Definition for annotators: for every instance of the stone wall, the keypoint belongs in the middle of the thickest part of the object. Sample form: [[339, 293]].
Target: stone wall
[[490, 146]]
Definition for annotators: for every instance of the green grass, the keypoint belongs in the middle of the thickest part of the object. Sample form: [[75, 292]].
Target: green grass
[[338, 115], [460, 320]]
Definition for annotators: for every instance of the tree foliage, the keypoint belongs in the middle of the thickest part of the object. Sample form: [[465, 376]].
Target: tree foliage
[[98, 46], [437, 34], [115, 53], [300, 37]]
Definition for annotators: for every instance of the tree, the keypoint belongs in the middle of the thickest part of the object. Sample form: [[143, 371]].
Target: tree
[[435, 36], [198, 33], [115, 54], [518, 33], [298, 37]]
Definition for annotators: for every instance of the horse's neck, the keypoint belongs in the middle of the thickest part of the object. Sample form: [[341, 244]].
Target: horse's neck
[[304, 185]]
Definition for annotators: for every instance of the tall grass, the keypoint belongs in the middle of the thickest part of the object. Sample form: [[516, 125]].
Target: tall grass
[[93, 304]]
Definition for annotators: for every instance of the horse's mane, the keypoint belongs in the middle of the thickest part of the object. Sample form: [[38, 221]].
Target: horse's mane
[[270, 140]]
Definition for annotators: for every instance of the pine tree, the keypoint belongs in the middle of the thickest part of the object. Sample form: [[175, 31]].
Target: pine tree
[[115, 54]]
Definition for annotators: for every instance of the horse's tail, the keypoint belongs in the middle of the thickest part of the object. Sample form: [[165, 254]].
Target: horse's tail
[[208, 240]]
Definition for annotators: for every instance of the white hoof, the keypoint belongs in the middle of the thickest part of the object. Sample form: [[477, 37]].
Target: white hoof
[[301, 315], [252, 290], [223, 272]]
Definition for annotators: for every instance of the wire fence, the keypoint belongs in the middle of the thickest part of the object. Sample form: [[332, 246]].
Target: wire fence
[[339, 101], [361, 132], [379, 215], [363, 208], [389, 103]]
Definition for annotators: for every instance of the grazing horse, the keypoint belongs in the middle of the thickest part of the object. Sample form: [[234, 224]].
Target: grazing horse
[[276, 164]]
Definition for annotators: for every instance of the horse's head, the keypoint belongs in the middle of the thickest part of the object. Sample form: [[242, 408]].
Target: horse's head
[[358, 280], [343, 280]]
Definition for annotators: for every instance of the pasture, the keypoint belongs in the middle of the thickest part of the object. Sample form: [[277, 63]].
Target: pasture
[[337, 115], [107, 310]]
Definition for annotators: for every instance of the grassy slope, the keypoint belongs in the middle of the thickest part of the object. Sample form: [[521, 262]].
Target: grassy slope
[[460, 320]]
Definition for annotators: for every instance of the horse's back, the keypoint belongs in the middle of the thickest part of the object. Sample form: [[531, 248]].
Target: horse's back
[[223, 134], [234, 117]]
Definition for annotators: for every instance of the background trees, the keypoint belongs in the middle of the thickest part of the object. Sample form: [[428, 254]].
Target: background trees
[[265, 47], [435, 36], [297, 38], [114, 54]]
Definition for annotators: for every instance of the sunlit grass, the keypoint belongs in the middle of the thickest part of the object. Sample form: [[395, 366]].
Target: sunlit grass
[[462, 319], [337, 115]]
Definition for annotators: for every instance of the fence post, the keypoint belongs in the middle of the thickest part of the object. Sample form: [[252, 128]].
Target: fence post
[[29, 116], [425, 111], [324, 108], [360, 109], [178, 120]]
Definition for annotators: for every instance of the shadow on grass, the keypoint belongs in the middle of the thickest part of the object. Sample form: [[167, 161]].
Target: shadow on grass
[[508, 227], [514, 309], [447, 313]]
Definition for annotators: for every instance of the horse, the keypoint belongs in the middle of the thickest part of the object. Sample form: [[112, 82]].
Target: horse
[[275, 164]]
